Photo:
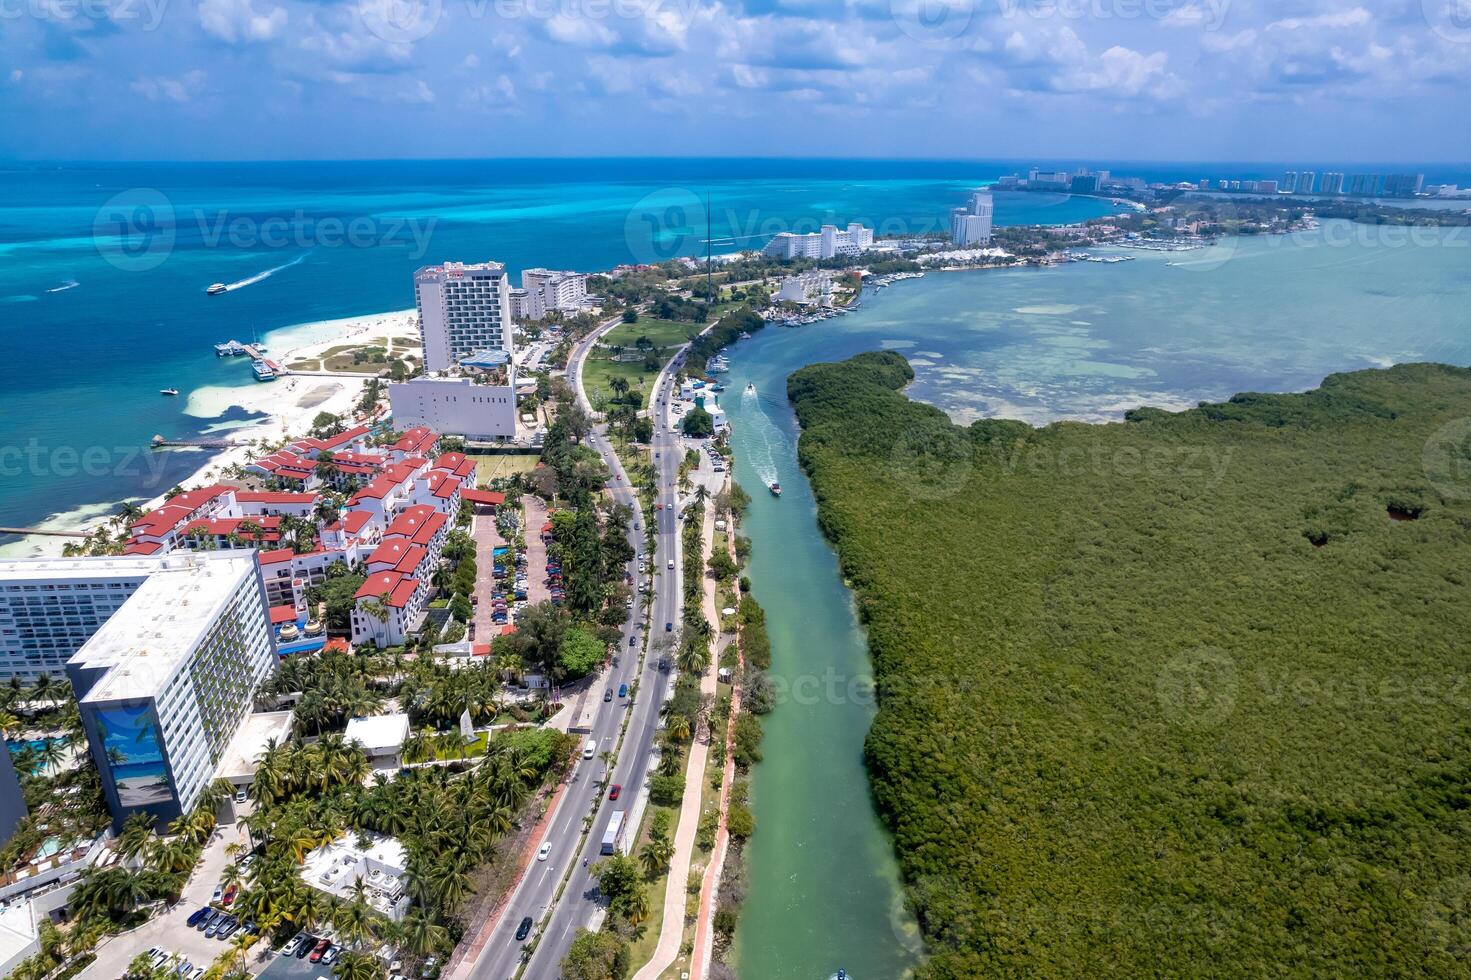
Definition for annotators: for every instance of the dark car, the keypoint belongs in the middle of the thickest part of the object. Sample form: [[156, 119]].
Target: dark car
[[227, 928], [307, 945], [608, 694], [615, 792], [204, 922], [524, 929], [193, 919], [632, 640], [669, 627]]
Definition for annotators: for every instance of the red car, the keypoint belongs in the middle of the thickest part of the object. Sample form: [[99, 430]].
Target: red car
[[230, 894], [321, 948], [614, 793]]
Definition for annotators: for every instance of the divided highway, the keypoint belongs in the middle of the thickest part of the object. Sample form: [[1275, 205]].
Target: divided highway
[[537, 892]]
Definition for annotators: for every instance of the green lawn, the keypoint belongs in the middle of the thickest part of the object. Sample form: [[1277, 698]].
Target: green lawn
[[661, 333], [598, 374], [492, 465]]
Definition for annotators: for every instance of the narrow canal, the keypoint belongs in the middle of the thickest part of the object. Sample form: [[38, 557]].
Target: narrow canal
[[824, 887]]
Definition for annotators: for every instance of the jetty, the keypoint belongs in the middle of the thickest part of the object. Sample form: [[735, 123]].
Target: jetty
[[162, 442], [43, 530]]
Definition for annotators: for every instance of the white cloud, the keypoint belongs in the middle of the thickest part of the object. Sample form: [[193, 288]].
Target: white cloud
[[160, 89], [1337, 20], [236, 21]]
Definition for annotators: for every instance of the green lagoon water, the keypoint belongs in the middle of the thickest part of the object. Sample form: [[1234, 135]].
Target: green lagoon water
[[1083, 341]]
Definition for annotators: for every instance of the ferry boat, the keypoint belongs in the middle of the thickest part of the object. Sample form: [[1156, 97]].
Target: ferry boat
[[262, 371], [168, 391], [215, 289], [775, 489]]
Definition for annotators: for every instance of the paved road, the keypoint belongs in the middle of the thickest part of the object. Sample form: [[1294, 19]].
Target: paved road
[[537, 892]]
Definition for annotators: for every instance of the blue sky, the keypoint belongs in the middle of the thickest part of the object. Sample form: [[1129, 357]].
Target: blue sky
[[1130, 79]]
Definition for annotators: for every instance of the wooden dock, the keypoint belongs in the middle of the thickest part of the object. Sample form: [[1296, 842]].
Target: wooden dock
[[42, 530], [161, 442]]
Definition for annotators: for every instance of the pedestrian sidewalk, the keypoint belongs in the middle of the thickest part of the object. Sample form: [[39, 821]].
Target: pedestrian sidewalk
[[671, 931]]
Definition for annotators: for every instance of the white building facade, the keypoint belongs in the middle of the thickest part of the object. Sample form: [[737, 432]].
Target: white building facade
[[550, 289], [971, 225], [166, 682], [455, 406], [809, 289], [462, 309], [828, 243]]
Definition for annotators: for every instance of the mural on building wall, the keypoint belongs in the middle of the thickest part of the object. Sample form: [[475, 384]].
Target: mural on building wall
[[130, 737]]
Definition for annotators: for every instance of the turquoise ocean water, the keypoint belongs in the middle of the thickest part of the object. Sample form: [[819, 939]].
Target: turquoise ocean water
[[103, 270]]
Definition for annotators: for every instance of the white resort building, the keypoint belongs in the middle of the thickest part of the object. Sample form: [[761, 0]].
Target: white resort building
[[971, 225], [380, 865], [825, 244], [462, 309], [809, 289]]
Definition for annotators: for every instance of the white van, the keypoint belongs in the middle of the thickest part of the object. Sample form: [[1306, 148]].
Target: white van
[[671, 563], [589, 748]]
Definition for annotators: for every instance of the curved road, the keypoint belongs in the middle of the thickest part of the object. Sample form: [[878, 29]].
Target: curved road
[[557, 920]]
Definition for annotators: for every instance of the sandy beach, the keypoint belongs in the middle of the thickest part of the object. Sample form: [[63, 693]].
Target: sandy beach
[[288, 405]]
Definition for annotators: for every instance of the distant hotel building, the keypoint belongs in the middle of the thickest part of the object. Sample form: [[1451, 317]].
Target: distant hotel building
[[828, 243], [462, 309], [971, 225], [456, 406], [166, 654], [809, 289]]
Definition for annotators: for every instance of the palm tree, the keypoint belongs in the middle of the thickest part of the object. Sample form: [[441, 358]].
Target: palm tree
[[422, 935], [678, 727], [358, 966], [51, 754], [136, 837]]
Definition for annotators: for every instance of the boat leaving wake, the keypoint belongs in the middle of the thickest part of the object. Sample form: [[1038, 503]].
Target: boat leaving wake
[[259, 276], [69, 284], [771, 438]]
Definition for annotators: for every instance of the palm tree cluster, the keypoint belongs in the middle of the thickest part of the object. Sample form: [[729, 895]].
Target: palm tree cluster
[[448, 822], [333, 687], [433, 692]]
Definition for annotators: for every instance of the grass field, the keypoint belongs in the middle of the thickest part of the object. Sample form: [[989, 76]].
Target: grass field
[[489, 466], [661, 333], [599, 372]]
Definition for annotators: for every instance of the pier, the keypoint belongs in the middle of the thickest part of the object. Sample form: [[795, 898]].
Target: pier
[[161, 442], [42, 530]]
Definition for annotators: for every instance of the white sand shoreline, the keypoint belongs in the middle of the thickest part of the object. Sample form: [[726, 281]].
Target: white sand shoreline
[[280, 401]]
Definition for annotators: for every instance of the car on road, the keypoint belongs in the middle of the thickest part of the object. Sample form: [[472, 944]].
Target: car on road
[[632, 640], [524, 929], [671, 563], [669, 627], [543, 852], [607, 694], [623, 690], [615, 791], [320, 950]]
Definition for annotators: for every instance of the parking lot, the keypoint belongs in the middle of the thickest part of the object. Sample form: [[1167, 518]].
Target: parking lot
[[169, 929], [290, 968]]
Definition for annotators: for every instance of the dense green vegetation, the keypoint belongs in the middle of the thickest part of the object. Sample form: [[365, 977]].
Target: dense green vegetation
[[1183, 695]]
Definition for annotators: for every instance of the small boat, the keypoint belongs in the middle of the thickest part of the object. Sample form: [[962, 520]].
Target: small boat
[[842, 974], [215, 289], [750, 389], [775, 489], [168, 391]]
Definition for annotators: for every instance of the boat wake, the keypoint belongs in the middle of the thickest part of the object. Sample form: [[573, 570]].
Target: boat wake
[[259, 276], [765, 440], [69, 284]]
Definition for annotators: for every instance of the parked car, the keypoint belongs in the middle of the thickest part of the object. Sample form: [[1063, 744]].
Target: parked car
[[524, 929], [241, 796], [227, 927], [219, 893], [157, 954], [204, 923], [192, 921], [215, 925], [230, 894], [615, 791], [319, 950], [308, 943], [331, 954]]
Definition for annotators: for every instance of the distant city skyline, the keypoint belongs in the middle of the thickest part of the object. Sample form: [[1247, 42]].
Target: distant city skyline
[[1306, 82]]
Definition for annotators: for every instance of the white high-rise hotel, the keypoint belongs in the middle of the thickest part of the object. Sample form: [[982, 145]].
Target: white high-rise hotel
[[828, 243], [164, 652], [463, 309], [971, 225]]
